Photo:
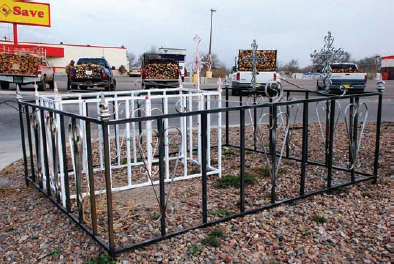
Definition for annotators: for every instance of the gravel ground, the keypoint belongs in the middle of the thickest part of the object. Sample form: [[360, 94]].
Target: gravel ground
[[351, 225]]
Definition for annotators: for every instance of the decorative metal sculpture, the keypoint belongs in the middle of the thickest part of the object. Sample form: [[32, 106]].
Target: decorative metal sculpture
[[327, 55]]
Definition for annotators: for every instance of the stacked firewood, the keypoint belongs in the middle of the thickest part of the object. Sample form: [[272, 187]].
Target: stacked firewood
[[266, 60], [19, 64], [161, 70], [81, 71], [346, 70]]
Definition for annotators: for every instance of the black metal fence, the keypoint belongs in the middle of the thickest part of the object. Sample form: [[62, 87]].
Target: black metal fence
[[316, 140]]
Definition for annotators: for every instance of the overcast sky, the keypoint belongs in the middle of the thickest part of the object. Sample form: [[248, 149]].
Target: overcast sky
[[294, 28]]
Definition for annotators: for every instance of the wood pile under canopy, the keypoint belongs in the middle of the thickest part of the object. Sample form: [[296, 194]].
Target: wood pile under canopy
[[162, 70], [19, 64], [265, 62], [88, 71]]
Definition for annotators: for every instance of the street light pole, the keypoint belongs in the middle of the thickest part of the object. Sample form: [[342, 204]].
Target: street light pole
[[210, 38], [209, 73]]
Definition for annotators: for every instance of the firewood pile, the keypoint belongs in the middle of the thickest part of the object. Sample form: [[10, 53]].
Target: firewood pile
[[266, 61], [82, 71], [19, 64], [347, 70], [161, 70]]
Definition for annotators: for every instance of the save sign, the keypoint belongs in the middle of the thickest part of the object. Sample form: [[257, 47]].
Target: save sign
[[27, 13]]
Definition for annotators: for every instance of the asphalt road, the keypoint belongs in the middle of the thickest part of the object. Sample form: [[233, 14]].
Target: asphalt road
[[10, 145]]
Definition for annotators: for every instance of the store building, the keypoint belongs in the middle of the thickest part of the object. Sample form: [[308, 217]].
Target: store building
[[387, 68], [59, 55]]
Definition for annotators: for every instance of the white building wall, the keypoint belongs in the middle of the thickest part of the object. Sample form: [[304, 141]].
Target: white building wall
[[115, 56]]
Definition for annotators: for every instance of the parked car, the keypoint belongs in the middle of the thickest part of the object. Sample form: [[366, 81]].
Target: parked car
[[135, 72], [93, 72]]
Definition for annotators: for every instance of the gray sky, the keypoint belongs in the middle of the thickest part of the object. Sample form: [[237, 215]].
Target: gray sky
[[294, 28]]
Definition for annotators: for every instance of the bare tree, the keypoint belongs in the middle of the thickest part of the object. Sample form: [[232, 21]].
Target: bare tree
[[153, 50], [130, 58], [291, 67]]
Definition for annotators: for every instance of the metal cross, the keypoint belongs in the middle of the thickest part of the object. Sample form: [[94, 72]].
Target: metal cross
[[328, 54], [254, 58]]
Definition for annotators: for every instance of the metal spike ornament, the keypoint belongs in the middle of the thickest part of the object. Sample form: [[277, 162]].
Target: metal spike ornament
[[104, 112], [197, 63], [18, 93]]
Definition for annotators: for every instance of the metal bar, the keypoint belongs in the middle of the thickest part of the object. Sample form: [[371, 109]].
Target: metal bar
[[23, 143], [255, 123], [270, 125], [242, 160], [108, 187], [274, 111], [204, 167], [93, 210], [77, 172], [227, 117], [350, 136], [355, 132], [65, 165], [288, 120], [29, 136], [54, 158], [45, 152], [304, 146], [162, 177], [331, 143], [377, 142], [328, 122]]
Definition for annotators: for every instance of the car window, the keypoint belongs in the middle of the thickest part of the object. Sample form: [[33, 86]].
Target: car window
[[92, 61]]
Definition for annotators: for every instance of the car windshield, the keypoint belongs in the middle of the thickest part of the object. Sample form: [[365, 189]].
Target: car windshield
[[91, 61], [343, 66], [134, 69]]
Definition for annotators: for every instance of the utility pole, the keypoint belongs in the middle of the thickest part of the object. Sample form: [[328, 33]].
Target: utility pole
[[209, 73]]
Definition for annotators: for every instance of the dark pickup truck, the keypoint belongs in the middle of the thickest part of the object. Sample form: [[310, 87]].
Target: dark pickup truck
[[92, 72], [159, 72]]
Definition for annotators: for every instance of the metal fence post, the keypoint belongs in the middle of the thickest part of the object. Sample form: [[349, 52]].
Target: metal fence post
[[45, 151], [242, 161], [161, 177], [274, 111], [377, 142], [331, 144], [227, 115], [304, 146], [354, 138], [23, 143], [204, 167]]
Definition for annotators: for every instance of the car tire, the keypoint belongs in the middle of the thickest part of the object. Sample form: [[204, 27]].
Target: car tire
[[113, 85], [5, 85], [234, 91], [52, 83], [42, 85]]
